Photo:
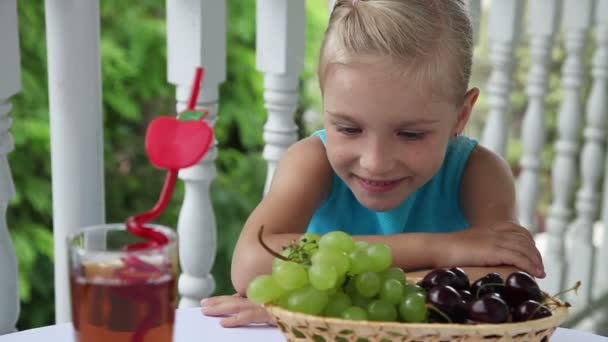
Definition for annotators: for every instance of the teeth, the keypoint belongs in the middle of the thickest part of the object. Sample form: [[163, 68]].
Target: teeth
[[377, 183]]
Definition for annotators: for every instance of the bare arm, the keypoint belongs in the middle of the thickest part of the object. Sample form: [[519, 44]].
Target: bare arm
[[299, 185], [495, 238]]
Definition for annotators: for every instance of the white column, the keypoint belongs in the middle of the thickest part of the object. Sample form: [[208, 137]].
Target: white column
[[600, 60], [580, 250], [280, 40], [196, 36], [543, 17], [576, 22], [74, 80], [10, 84], [504, 30]]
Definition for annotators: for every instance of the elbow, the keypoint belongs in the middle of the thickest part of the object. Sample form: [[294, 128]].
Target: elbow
[[242, 272]]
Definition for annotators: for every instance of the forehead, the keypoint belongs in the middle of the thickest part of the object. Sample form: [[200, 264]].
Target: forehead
[[378, 82]]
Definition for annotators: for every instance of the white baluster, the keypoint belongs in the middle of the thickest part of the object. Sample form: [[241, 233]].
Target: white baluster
[[543, 18], [474, 8], [576, 21], [10, 84], [600, 61], [74, 69], [280, 39], [580, 250], [196, 36], [504, 30]]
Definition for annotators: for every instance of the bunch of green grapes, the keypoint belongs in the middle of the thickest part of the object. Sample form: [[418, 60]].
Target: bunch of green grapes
[[334, 276]]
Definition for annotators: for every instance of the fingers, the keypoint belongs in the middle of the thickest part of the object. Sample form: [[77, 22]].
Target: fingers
[[520, 260], [249, 316], [226, 305], [520, 240], [240, 311]]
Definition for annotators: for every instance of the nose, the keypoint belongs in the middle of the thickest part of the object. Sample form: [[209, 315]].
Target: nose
[[377, 157]]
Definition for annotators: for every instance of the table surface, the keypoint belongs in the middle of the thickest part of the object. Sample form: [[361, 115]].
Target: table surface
[[190, 323]]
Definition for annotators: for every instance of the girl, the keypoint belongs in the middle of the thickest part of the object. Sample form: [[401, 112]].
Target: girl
[[390, 165]]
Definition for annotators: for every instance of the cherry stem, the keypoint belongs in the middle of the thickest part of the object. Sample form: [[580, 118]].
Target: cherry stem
[[573, 288], [268, 249], [441, 313]]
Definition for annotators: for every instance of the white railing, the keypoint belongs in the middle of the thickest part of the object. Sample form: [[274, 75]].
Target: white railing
[[196, 32], [10, 84]]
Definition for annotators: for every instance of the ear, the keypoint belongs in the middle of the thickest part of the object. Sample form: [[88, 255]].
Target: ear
[[465, 111]]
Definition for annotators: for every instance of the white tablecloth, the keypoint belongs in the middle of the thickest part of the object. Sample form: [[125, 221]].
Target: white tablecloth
[[191, 325]]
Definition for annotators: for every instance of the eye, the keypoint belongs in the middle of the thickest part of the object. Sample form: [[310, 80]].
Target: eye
[[348, 130], [412, 135]]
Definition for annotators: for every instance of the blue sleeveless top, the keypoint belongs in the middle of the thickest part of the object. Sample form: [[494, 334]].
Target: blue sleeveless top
[[433, 208]]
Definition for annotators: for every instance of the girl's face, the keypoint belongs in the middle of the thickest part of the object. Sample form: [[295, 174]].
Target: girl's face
[[386, 136]]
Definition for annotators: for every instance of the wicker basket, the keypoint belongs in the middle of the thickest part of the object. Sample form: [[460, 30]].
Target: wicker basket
[[301, 327]]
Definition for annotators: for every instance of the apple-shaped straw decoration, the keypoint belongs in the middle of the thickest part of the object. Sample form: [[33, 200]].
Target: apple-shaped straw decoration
[[172, 143]]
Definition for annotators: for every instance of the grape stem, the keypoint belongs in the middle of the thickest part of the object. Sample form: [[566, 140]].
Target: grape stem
[[268, 249]]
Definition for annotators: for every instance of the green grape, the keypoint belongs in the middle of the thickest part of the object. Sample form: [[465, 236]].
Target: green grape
[[381, 310], [282, 301], [264, 289], [381, 256], [322, 276], [337, 241], [360, 301], [391, 291], [338, 259], [277, 261], [307, 300], [290, 275], [337, 303], [394, 273], [411, 288], [354, 313], [368, 284], [360, 262], [413, 308], [361, 245], [350, 288]]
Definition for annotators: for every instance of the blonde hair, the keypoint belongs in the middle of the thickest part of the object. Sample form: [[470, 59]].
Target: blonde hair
[[428, 38]]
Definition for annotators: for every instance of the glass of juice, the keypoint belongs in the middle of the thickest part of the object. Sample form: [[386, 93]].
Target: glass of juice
[[122, 294]]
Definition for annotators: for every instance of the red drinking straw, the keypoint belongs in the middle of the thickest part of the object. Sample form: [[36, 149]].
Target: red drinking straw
[[136, 225]]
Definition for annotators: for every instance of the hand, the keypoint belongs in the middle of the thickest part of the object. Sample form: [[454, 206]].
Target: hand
[[239, 310], [505, 243]]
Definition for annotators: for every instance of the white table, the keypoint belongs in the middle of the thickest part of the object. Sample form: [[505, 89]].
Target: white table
[[191, 325]]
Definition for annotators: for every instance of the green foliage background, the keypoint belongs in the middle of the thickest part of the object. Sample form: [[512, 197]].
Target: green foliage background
[[135, 90]]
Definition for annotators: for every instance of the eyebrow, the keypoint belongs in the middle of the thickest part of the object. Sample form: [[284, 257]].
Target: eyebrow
[[421, 121]]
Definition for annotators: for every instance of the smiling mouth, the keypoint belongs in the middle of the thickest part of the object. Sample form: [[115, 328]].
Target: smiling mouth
[[378, 185]]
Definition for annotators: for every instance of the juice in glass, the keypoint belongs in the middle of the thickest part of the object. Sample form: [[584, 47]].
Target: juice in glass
[[120, 295]]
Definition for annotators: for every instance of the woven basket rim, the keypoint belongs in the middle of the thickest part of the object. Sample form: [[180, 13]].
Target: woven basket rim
[[558, 316]]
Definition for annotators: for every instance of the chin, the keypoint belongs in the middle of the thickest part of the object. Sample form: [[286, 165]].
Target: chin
[[379, 204]]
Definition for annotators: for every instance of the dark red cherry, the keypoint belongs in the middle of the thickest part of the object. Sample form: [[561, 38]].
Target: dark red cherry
[[438, 277], [462, 279], [491, 282], [466, 296], [447, 300], [489, 309], [529, 310], [519, 287]]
